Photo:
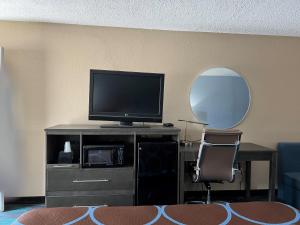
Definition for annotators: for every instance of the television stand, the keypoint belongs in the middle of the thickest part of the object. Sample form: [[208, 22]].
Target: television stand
[[72, 184], [124, 125]]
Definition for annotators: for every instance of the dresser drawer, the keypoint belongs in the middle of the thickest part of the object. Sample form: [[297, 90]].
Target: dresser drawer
[[105, 199], [75, 179]]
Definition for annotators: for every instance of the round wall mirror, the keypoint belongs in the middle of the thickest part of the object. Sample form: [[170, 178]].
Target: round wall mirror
[[220, 97]]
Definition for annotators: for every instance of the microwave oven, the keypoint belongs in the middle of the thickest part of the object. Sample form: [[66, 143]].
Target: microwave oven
[[103, 156]]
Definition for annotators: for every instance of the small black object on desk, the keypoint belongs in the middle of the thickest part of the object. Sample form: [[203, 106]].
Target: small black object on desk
[[168, 125]]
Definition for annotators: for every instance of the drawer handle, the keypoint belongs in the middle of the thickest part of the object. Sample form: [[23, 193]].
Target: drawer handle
[[62, 166], [90, 181]]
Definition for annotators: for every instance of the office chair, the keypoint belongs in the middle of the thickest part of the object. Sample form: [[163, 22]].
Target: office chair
[[216, 157]]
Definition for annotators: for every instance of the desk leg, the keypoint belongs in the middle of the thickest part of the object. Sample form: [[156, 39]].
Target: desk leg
[[181, 180], [272, 176], [248, 179]]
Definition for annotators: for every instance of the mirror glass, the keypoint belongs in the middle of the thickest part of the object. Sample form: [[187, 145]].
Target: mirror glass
[[220, 97]]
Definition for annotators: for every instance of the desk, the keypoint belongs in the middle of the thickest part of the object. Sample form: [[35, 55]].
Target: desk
[[248, 152]]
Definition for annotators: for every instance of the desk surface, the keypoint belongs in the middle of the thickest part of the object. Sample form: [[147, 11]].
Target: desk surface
[[244, 147], [247, 152]]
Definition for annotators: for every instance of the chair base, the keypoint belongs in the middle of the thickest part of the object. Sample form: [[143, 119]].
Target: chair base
[[208, 187], [208, 198]]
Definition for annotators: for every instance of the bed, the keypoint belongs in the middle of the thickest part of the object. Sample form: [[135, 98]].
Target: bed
[[227, 213]]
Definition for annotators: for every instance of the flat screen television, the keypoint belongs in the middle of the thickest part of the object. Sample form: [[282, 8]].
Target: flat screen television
[[126, 96]]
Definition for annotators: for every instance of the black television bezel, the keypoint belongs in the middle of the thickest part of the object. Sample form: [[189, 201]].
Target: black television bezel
[[126, 117]]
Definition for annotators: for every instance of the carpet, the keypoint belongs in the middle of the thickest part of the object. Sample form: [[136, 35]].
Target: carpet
[[14, 211]]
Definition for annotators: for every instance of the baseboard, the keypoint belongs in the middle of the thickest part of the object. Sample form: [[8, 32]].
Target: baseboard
[[229, 195], [25, 200]]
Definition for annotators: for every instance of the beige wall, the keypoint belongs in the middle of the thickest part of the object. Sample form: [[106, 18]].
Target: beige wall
[[48, 69]]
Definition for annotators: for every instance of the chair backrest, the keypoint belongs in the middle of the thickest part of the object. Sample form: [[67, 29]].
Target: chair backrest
[[217, 155]]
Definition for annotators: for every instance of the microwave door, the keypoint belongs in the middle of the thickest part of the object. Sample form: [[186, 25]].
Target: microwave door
[[100, 157]]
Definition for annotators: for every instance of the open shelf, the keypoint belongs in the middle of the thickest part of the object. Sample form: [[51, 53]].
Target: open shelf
[[55, 144]]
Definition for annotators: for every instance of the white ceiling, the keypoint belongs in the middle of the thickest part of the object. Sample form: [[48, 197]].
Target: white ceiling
[[270, 17]]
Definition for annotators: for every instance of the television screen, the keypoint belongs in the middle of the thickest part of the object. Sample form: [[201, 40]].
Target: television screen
[[126, 96]]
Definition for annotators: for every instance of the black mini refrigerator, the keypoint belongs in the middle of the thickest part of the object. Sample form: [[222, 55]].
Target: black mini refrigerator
[[157, 178]]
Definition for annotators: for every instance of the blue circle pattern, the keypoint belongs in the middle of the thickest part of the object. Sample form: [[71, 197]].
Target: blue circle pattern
[[161, 212], [229, 214], [168, 217], [295, 220], [90, 213]]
